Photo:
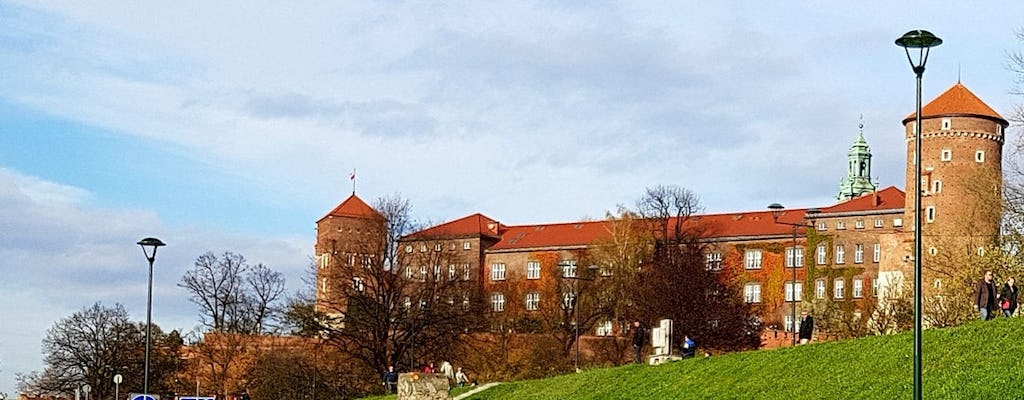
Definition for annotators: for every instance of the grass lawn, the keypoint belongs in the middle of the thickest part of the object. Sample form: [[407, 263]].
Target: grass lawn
[[979, 360]]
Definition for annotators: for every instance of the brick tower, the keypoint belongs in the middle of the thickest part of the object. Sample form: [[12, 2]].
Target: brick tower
[[351, 234], [961, 167]]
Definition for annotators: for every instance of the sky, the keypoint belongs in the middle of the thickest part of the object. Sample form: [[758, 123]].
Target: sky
[[234, 125]]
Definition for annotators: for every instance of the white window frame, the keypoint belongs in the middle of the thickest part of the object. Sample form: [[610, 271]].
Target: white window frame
[[858, 288], [876, 253], [839, 289], [822, 226], [936, 186], [713, 261], [875, 286], [821, 255], [979, 156], [946, 155], [840, 254], [879, 223], [358, 285], [794, 257], [788, 321], [452, 272], [858, 253], [840, 225], [929, 214], [752, 259], [467, 245], [819, 289], [897, 222], [497, 271], [533, 270], [568, 268], [789, 291], [497, 302], [465, 271], [858, 224], [532, 301], [752, 292], [423, 273], [604, 328], [947, 124], [568, 299]]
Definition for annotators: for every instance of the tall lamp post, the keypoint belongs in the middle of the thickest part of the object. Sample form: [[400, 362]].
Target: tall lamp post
[[576, 310], [149, 246], [777, 210], [922, 41]]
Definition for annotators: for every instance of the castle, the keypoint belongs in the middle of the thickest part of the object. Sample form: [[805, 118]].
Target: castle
[[858, 249]]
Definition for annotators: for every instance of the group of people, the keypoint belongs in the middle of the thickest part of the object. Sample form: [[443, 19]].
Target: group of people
[[987, 299], [688, 348], [455, 375]]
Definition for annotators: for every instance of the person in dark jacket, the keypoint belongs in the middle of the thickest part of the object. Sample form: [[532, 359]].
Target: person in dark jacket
[[1008, 297], [806, 327], [985, 296], [390, 378], [639, 335]]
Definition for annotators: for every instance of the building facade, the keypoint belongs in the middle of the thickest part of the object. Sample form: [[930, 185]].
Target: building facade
[[851, 253]]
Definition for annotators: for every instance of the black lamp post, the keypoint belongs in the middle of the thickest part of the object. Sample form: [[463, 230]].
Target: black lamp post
[[149, 246], [777, 210], [576, 310], [922, 41]]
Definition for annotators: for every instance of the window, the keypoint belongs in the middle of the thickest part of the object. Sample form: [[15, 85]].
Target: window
[[947, 155], [407, 302], [839, 290], [568, 300], [858, 253], [465, 302], [946, 124], [408, 272], [357, 284], [789, 323], [840, 224], [714, 261], [752, 292], [874, 287], [929, 214], [819, 289], [568, 268], [840, 254], [408, 249], [533, 270], [794, 257], [423, 248], [466, 246], [858, 224], [423, 273], [933, 251], [498, 271], [497, 302], [324, 260], [936, 186], [323, 285], [799, 291], [437, 247], [876, 255], [465, 271], [437, 273], [822, 226], [451, 272], [979, 156], [981, 251], [999, 129], [532, 301], [821, 256], [879, 223], [604, 328], [753, 259], [858, 288]]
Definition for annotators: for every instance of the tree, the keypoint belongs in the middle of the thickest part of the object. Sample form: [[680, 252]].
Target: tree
[[92, 345], [237, 302], [674, 283], [391, 306]]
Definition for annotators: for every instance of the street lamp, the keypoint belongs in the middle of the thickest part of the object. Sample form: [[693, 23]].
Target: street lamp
[[777, 210], [146, 244], [576, 310], [922, 41]]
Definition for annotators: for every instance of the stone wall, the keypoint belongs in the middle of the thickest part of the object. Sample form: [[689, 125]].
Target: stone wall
[[420, 386]]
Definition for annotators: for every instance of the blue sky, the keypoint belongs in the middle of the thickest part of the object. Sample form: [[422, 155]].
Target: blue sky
[[232, 126]]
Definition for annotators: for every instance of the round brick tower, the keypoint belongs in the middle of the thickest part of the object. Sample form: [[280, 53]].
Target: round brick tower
[[961, 171]]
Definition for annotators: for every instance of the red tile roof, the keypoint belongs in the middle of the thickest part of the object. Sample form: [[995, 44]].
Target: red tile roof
[[353, 206], [471, 225], [957, 100], [726, 225]]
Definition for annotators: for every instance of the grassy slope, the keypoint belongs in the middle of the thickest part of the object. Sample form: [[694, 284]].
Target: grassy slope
[[980, 360]]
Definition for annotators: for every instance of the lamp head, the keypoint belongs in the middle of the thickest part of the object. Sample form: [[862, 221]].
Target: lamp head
[[150, 243], [777, 210], [921, 40]]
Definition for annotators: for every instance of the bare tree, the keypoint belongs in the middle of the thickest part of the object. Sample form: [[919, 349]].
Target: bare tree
[[234, 297], [92, 345]]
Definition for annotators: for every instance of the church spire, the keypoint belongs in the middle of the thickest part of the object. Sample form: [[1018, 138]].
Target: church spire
[[858, 171]]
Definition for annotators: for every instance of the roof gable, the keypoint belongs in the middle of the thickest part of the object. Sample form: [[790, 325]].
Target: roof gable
[[353, 206], [957, 100], [470, 225], [889, 198]]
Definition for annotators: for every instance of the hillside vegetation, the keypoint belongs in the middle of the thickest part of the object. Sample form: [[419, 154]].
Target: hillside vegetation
[[980, 360]]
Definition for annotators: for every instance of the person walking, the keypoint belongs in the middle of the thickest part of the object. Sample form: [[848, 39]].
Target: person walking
[[806, 327], [1008, 297], [390, 378], [448, 371], [639, 335], [985, 296]]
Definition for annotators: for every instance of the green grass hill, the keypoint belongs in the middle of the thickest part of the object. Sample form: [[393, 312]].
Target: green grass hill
[[979, 360]]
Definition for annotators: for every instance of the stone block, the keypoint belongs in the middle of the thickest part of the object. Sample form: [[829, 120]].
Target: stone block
[[421, 386]]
